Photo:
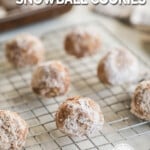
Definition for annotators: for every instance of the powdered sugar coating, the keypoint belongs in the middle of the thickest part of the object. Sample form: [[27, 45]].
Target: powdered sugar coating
[[50, 79], [79, 116], [25, 49], [118, 67], [140, 105], [82, 42], [13, 131]]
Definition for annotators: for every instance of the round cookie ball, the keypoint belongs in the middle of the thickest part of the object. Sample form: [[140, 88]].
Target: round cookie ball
[[79, 116], [140, 105], [118, 67], [13, 131], [50, 79], [82, 42], [25, 50]]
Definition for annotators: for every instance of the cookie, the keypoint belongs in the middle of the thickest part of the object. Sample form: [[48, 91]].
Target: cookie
[[25, 50], [82, 42], [50, 79], [140, 105], [13, 131], [118, 67], [79, 116]]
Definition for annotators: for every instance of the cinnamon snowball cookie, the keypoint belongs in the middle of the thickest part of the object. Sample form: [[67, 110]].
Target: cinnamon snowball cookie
[[50, 79], [140, 105], [13, 131], [82, 42], [118, 67], [25, 49], [79, 116]]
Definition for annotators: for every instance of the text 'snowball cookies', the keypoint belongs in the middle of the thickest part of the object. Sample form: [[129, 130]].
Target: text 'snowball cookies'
[[118, 67], [13, 131], [79, 116], [140, 105], [82, 42], [25, 49], [50, 79]]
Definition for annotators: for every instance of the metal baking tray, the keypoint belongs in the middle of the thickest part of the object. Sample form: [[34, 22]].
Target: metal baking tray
[[16, 18], [120, 125]]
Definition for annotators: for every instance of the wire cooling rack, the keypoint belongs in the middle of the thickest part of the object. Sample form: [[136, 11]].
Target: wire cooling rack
[[39, 113]]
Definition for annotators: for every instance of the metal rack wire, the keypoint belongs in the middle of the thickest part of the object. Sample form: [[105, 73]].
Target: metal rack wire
[[16, 95]]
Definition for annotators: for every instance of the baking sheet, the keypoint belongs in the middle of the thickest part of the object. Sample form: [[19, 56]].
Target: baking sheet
[[120, 124], [17, 18]]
